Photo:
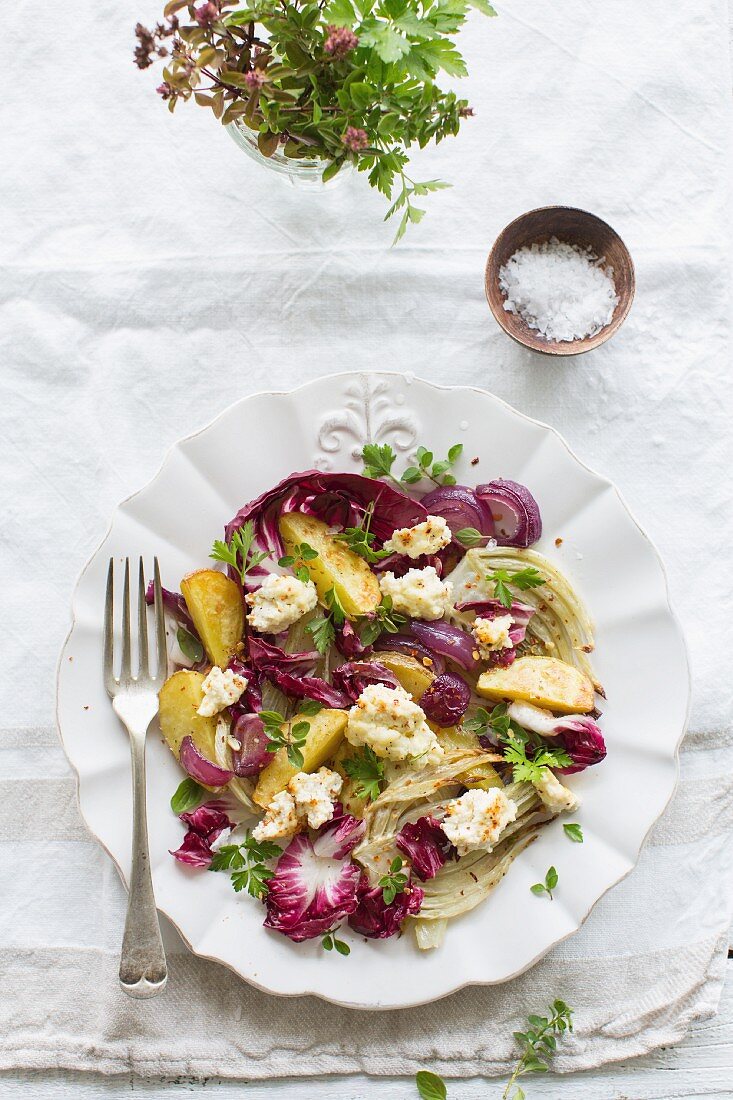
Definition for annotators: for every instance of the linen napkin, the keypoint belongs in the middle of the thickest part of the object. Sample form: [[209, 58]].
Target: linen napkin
[[151, 274]]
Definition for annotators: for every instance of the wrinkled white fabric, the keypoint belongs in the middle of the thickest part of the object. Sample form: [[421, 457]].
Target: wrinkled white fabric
[[150, 274]]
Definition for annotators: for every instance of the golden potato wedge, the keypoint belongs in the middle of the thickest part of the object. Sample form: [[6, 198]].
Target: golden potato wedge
[[215, 604], [413, 676], [180, 698], [324, 737], [335, 567], [544, 681]]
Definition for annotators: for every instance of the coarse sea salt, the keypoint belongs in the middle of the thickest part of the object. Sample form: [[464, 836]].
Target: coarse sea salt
[[561, 290]]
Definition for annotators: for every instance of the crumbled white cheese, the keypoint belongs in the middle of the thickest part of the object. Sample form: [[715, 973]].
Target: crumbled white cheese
[[427, 537], [221, 688], [314, 794], [477, 819], [279, 602], [221, 840], [389, 722], [280, 819], [492, 634], [558, 798], [420, 593]]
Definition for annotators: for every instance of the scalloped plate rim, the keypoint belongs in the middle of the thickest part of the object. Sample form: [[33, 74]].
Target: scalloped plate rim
[[409, 377]]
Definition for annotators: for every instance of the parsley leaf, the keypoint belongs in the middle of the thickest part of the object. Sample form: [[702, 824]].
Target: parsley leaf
[[528, 769], [394, 882], [188, 796], [546, 887], [238, 551], [522, 579], [378, 460], [246, 862], [367, 771], [574, 831], [322, 628]]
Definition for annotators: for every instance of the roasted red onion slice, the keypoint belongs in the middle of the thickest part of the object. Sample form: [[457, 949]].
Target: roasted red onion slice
[[402, 643], [201, 769], [516, 514], [249, 730], [449, 641], [460, 507]]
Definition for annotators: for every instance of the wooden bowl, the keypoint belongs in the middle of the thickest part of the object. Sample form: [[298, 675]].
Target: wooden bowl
[[574, 227]]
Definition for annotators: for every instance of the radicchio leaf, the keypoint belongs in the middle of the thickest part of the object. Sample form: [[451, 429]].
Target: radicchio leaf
[[354, 676], [338, 499], [315, 883], [426, 846], [205, 825], [580, 737], [348, 642], [377, 921]]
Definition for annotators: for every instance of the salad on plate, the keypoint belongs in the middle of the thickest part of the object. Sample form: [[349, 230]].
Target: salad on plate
[[379, 693]]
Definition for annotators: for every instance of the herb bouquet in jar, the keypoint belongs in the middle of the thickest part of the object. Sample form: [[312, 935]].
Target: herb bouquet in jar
[[328, 84]]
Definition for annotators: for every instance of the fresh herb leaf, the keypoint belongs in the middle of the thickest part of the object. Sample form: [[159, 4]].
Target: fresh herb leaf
[[367, 771], [522, 579], [546, 887], [538, 1044], [497, 723], [189, 645], [303, 552], [574, 831], [435, 471], [394, 882], [247, 864], [360, 539], [285, 734], [528, 769], [329, 942], [384, 619], [310, 707], [238, 551], [470, 536], [378, 460], [187, 796], [430, 1086], [322, 631]]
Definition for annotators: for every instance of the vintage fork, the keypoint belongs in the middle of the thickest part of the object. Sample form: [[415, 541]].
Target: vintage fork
[[143, 970]]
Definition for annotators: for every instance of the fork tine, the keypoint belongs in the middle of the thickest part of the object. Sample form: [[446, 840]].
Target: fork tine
[[109, 675], [125, 665], [142, 624], [162, 649]]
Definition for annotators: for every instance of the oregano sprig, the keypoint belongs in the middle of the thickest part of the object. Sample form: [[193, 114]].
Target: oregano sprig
[[546, 887], [302, 553], [538, 1044], [394, 882]]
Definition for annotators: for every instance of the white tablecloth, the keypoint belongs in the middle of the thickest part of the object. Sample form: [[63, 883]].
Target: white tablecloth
[[151, 274]]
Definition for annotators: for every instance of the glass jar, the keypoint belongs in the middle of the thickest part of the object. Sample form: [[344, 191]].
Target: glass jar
[[304, 172]]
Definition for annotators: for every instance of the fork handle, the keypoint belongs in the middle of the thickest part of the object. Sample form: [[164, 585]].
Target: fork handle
[[143, 969]]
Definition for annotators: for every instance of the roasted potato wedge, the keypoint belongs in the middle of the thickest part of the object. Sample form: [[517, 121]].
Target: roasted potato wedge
[[324, 737], [335, 567], [215, 604], [544, 681], [413, 676], [180, 698]]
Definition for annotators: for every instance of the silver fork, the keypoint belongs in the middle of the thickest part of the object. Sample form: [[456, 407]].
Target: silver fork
[[143, 970]]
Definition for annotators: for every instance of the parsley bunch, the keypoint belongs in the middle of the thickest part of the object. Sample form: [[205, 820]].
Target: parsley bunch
[[238, 551], [360, 539], [528, 769], [522, 579], [322, 628], [247, 863], [367, 771], [333, 80]]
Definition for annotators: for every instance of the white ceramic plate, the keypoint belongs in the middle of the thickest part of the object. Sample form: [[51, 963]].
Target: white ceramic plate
[[640, 658]]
